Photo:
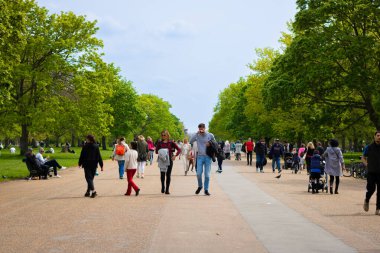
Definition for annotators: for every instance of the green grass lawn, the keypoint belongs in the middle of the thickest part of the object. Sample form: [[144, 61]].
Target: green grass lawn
[[12, 167], [351, 155]]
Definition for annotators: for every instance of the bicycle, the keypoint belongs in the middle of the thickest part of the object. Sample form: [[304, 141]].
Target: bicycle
[[356, 170]]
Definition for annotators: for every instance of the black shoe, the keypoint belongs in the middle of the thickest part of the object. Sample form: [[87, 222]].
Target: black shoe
[[207, 193], [94, 194], [137, 192], [198, 190], [87, 194], [167, 192], [162, 190], [331, 191]]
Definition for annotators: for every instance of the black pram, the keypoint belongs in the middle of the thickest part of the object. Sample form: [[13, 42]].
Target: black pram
[[288, 161], [321, 183]]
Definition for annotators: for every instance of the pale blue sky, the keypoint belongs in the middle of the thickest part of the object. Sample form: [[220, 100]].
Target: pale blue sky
[[185, 52]]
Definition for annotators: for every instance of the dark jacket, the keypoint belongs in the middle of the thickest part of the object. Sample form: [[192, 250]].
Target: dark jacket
[[142, 150], [372, 152], [260, 148], [214, 150], [90, 156], [277, 150]]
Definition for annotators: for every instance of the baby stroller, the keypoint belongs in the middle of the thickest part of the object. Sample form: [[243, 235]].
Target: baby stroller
[[296, 163], [288, 161], [322, 181]]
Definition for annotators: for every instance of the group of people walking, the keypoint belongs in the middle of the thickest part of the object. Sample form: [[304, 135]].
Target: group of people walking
[[131, 160]]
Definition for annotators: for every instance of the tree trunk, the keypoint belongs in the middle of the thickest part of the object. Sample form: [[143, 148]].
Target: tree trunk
[[104, 144], [57, 141], [24, 139], [72, 140], [343, 142], [356, 144]]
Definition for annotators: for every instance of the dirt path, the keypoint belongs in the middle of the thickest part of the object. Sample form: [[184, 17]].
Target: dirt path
[[53, 216]]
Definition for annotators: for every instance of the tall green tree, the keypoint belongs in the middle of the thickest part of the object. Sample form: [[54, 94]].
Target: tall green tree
[[333, 60], [157, 117], [53, 52], [12, 28], [126, 113]]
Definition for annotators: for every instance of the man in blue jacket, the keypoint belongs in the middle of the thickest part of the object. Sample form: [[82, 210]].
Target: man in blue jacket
[[276, 152]]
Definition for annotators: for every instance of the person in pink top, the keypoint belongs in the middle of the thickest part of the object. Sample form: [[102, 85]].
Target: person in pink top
[[151, 149], [301, 153]]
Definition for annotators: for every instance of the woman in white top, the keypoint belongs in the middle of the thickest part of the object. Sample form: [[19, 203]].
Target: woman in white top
[[227, 150], [185, 151], [131, 167], [118, 154], [334, 164]]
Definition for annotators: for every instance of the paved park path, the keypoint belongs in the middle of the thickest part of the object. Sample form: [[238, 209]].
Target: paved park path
[[247, 212]]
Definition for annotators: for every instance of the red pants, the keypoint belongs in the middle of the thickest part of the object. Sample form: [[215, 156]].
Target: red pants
[[131, 184]]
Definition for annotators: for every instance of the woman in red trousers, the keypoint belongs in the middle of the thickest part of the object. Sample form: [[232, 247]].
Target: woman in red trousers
[[131, 167]]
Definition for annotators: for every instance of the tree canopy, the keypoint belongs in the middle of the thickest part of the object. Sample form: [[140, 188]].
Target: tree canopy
[[323, 83], [55, 83]]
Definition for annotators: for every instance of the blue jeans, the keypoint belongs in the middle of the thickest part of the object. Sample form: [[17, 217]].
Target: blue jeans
[[151, 156], [276, 161], [203, 162], [121, 167], [259, 161]]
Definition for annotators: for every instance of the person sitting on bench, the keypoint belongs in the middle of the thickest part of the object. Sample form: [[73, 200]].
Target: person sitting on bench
[[50, 163], [34, 166]]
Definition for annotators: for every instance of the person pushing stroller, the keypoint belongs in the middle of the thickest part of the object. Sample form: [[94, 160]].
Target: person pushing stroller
[[315, 172]]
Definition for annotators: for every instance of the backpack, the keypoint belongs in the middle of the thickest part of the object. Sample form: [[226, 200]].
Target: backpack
[[243, 149], [120, 150], [220, 153]]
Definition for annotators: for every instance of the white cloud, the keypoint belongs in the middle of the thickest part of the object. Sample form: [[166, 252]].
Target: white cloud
[[183, 51], [177, 29]]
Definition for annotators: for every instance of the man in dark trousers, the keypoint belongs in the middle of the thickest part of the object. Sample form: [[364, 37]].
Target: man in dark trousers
[[371, 158]]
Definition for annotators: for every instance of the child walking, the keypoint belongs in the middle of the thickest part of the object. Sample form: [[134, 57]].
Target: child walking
[[130, 168]]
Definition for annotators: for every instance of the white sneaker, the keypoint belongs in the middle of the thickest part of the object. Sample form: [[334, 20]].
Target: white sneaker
[[57, 176], [63, 168]]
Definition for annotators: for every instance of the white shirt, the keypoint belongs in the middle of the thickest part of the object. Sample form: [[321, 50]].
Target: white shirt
[[40, 158], [130, 159]]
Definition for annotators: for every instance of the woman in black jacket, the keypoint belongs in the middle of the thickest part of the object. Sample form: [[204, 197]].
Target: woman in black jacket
[[89, 159]]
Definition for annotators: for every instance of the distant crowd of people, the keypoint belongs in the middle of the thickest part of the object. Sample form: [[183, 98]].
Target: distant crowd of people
[[202, 149]]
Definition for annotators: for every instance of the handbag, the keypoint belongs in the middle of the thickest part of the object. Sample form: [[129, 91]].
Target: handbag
[[265, 161]]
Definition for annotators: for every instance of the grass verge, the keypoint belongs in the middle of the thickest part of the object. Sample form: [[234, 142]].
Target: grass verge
[[12, 167]]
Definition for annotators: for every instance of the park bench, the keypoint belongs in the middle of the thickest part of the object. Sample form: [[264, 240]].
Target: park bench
[[34, 170]]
